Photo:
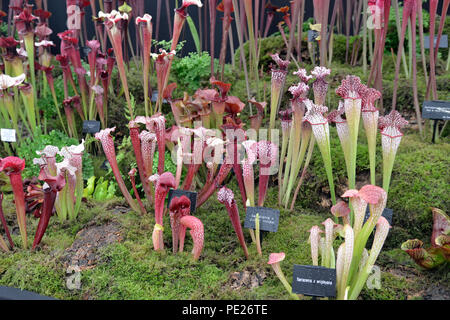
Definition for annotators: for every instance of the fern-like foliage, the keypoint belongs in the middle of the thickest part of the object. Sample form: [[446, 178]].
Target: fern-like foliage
[[133, 107]]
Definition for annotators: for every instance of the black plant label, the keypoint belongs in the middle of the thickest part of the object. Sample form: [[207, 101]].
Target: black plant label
[[314, 281], [179, 192], [387, 214], [105, 165], [268, 218], [443, 42], [313, 35], [91, 126], [436, 110], [155, 97], [85, 51]]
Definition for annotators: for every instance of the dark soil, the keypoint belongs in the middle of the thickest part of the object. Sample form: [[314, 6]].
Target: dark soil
[[439, 292], [427, 289], [84, 251], [246, 279]]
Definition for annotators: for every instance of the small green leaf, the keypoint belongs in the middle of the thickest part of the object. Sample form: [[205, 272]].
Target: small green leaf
[[125, 8], [194, 34]]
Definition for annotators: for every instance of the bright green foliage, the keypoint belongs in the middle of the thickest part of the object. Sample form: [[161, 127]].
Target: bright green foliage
[[100, 190], [126, 111], [169, 165], [165, 45], [193, 71], [4, 30], [27, 150], [339, 47]]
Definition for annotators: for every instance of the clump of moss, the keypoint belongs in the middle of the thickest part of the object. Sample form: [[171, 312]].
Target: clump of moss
[[391, 288], [340, 45], [419, 181]]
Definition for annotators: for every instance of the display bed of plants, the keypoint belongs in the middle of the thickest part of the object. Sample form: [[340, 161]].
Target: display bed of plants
[[91, 213], [120, 262]]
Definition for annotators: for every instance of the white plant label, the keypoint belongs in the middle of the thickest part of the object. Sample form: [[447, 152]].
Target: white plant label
[[8, 135]]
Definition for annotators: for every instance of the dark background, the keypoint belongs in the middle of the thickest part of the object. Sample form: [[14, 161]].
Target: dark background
[[59, 16]]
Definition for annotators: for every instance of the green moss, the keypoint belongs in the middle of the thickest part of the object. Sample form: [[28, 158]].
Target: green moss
[[392, 288], [37, 272], [340, 47], [269, 45], [150, 276], [420, 180]]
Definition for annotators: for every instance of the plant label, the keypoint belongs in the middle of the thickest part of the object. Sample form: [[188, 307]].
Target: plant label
[[155, 97], [105, 165], [387, 214], [443, 43], [91, 126], [86, 51], [312, 35], [8, 135], [10, 293], [436, 110], [314, 281], [268, 218], [179, 192]]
